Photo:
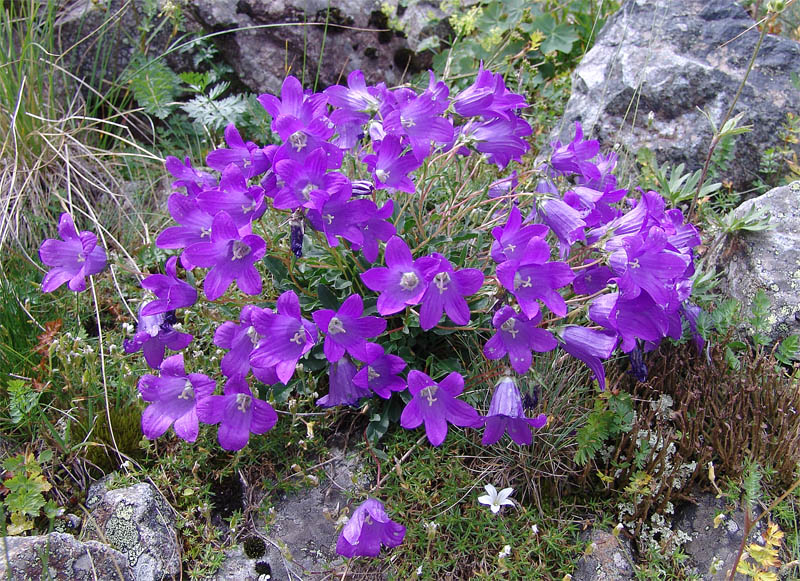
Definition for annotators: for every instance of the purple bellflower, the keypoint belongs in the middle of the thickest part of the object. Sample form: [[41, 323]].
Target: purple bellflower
[[230, 257], [402, 282], [435, 404], [297, 115], [238, 413], [243, 203], [376, 227], [73, 258], [341, 388], [250, 158], [192, 180], [574, 157], [347, 330], [420, 122], [367, 529], [513, 239], [390, 167], [536, 278], [337, 214], [240, 340], [517, 336], [487, 97], [590, 346], [507, 414], [154, 334], [174, 398], [446, 291], [301, 179], [194, 225], [290, 337], [639, 318], [501, 140], [380, 372], [172, 292]]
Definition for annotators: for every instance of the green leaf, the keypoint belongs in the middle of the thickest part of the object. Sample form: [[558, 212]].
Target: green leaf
[[155, 86], [561, 38], [789, 350], [327, 298]]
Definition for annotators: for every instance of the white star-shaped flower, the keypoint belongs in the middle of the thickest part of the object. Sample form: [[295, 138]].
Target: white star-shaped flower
[[495, 499]]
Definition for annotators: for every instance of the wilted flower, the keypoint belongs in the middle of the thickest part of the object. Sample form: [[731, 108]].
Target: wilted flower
[[175, 396], [367, 529], [238, 412], [495, 500], [72, 259]]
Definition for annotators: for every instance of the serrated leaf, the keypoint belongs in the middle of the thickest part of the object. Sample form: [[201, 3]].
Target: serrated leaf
[[561, 38], [789, 350], [155, 86]]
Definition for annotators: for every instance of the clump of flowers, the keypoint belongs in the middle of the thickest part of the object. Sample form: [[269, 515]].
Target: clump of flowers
[[358, 170]]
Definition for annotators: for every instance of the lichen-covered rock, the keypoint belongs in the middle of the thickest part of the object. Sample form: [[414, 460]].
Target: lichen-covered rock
[[60, 556], [302, 531], [769, 260], [237, 566], [674, 59], [379, 37], [609, 558], [713, 546], [139, 523]]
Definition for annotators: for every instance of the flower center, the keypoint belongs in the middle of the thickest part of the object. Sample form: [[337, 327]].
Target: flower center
[[635, 263], [429, 392], [248, 207], [307, 190], [243, 402], [240, 250], [511, 247], [441, 280], [82, 257], [253, 334], [335, 326], [328, 218], [409, 281], [372, 374], [522, 282], [188, 391], [298, 140], [299, 337], [382, 175], [405, 122], [205, 232], [509, 327]]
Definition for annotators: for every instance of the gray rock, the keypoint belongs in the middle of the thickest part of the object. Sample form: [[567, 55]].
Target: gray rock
[[138, 522], [262, 57], [60, 556], [769, 260], [236, 566], [709, 547], [302, 533], [674, 58], [610, 559], [100, 38]]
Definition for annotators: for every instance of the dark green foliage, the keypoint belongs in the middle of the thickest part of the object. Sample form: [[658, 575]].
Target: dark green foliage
[[254, 547]]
